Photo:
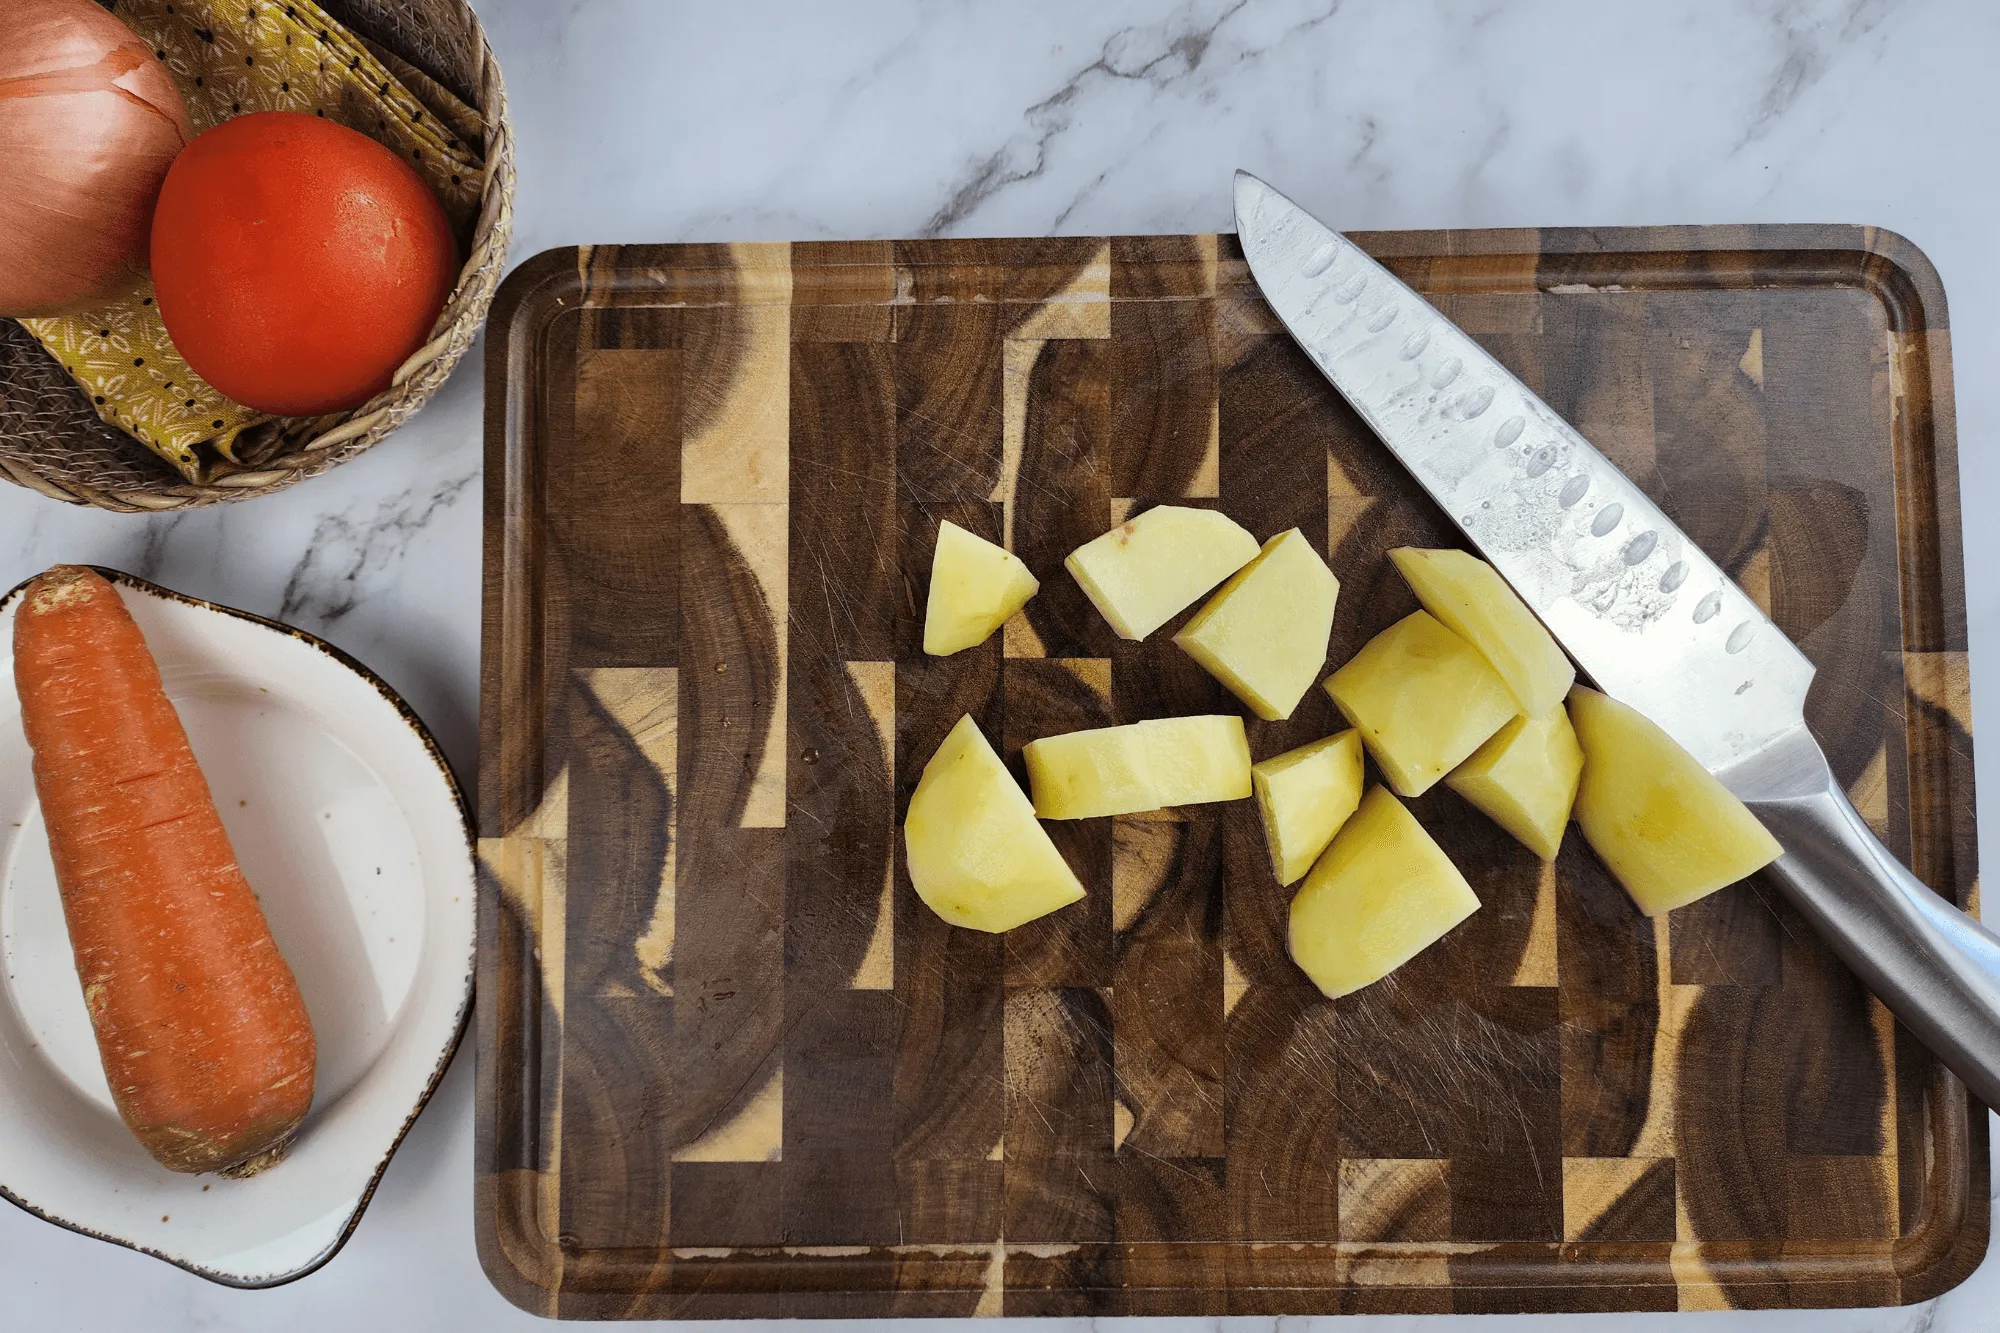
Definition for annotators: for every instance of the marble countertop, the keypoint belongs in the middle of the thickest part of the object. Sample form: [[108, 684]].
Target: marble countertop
[[759, 119]]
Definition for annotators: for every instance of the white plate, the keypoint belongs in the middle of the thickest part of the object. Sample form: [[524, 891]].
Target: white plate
[[351, 828]]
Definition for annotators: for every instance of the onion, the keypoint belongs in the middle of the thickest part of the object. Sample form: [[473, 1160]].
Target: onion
[[89, 124]]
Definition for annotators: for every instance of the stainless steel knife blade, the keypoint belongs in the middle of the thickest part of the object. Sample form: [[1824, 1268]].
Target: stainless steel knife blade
[[1638, 605]]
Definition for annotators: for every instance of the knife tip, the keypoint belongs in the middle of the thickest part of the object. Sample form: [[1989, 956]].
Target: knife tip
[[1247, 190]]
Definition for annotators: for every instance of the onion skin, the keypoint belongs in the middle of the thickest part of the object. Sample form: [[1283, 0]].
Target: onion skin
[[89, 124]]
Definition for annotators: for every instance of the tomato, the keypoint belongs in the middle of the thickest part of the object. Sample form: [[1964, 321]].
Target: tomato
[[297, 262]]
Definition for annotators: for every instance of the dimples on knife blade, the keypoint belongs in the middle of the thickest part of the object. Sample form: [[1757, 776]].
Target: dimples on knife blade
[[1640, 607]]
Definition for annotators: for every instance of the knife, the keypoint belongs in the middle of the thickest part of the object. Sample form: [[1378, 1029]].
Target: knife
[[1640, 607]]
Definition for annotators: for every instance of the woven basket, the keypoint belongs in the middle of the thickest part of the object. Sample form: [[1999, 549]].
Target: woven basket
[[53, 442]]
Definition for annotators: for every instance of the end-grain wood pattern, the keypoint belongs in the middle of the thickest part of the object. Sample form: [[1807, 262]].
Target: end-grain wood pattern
[[730, 1066]]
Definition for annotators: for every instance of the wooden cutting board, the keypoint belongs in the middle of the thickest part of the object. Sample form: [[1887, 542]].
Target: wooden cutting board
[[729, 1065]]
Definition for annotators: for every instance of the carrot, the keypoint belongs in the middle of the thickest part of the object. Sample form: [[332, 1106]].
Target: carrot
[[204, 1037]]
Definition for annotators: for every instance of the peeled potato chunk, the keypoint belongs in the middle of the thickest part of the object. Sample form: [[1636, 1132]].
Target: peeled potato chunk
[[1422, 698], [1145, 766], [1305, 795], [1382, 894], [1469, 598], [1665, 826], [1264, 634], [975, 586], [1084, 774], [1195, 760], [1149, 569], [1524, 779], [977, 856]]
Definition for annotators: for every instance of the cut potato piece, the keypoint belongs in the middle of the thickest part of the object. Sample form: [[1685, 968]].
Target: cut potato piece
[[1149, 569], [1195, 760], [975, 586], [1305, 795], [1665, 826], [1264, 634], [1474, 602], [1524, 779], [1083, 774], [977, 856], [1423, 700], [1145, 766], [1381, 895]]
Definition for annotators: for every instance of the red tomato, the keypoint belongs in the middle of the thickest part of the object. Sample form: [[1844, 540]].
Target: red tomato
[[298, 262]]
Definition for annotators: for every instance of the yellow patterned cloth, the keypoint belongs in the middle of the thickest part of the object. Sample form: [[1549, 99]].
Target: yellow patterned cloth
[[232, 57]]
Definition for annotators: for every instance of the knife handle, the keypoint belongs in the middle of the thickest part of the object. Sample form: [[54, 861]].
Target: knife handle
[[1936, 968]]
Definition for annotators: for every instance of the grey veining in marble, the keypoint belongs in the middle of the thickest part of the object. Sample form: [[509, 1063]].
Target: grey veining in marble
[[640, 120]]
